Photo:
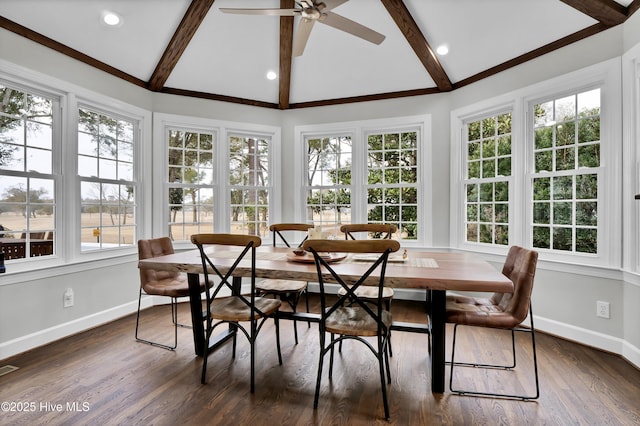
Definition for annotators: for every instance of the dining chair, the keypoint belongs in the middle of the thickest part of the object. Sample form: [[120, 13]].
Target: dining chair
[[33, 235], [288, 291], [358, 320], [161, 283], [373, 231], [501, 311], [234, 308]]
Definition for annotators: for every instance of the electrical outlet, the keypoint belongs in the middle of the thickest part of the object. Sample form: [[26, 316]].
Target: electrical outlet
[[602, 309], [67, 298]]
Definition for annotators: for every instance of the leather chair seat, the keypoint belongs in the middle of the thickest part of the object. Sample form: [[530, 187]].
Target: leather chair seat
[[478, 311]]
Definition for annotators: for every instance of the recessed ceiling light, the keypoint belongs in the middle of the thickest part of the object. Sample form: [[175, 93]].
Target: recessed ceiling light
[[442, 50], [111, 19], [271, 75]]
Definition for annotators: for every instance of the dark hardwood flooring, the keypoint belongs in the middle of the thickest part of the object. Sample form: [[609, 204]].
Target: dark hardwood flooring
[[103, 377]]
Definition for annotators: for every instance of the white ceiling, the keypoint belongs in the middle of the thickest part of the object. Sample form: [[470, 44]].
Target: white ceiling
[[229, 55]]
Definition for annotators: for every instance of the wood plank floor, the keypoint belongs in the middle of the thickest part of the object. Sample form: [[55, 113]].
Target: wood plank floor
[[103, 377]]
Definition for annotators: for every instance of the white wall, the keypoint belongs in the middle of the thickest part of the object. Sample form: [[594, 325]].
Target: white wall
[[32, 313], [31, 310]]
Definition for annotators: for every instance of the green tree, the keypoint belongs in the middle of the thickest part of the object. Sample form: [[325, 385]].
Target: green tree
[[36, 197], [248, 168], [323, 155], [18, 109]]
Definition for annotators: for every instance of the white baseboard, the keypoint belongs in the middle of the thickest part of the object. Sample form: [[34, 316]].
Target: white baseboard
[[51, 334], [589, 337], [42, 337], [631, 353]]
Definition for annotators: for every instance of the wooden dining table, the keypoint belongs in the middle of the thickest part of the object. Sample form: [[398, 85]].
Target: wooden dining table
[[436, 272]]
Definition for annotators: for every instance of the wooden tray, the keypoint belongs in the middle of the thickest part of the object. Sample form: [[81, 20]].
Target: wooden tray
[[308, 257], [374, 257]]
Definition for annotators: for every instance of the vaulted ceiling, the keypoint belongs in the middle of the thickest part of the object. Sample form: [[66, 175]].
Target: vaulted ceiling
[[191, 48]]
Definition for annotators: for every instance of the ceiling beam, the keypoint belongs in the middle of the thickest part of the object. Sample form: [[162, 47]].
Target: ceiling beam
[[366, 98], [191, 20], [607, 12], [222, 98], [418, 42], [286, 46]]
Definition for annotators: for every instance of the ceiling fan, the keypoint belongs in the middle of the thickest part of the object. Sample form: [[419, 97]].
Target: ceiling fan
[[311, 11]]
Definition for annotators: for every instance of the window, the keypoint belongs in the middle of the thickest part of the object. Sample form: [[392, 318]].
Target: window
[[532, 167], [27, 173], [488, 172], [368, 172], [566, 158], [392, 177], [67, 191], [329, 161], [106, 147], [249, 184], [190, 184], [219, 177]]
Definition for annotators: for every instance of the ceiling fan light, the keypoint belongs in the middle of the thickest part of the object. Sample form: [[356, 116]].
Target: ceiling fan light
[[442, 50], [110, 18]]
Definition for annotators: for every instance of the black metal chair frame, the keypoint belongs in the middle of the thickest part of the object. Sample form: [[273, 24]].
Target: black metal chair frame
[[174, 321], [513, 330], [383, 334], [225, 282], [348, 234], [291, 298]]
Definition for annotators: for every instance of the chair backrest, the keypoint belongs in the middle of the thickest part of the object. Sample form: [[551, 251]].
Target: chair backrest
[[33, 235], [379, 230], [381, 247], [278, 228], [520, 268], [225, 273], [150, 248]]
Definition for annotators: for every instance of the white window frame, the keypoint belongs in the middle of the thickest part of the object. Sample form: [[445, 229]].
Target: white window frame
[[268, 186], [353, 187], [606, 76], [185, 185], [221, 194], [136, 178], [58, 100], [141, 170], [573, 172], [67, 246], [359, 131], [479, 181]]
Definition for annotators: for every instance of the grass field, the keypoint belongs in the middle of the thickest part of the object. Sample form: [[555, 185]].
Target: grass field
[[90, 221], [113, 234]]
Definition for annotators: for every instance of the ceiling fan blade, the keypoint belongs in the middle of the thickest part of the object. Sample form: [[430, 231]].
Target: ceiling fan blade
[[302, 35], [347, 25], [272, 12], [332, 4]]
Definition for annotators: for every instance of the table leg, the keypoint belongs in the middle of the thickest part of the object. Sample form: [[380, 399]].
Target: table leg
[[197, 319], [195, 303], [438, 321]]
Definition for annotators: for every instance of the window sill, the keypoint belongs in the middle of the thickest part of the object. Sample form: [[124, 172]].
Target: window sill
[[40, 269]]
